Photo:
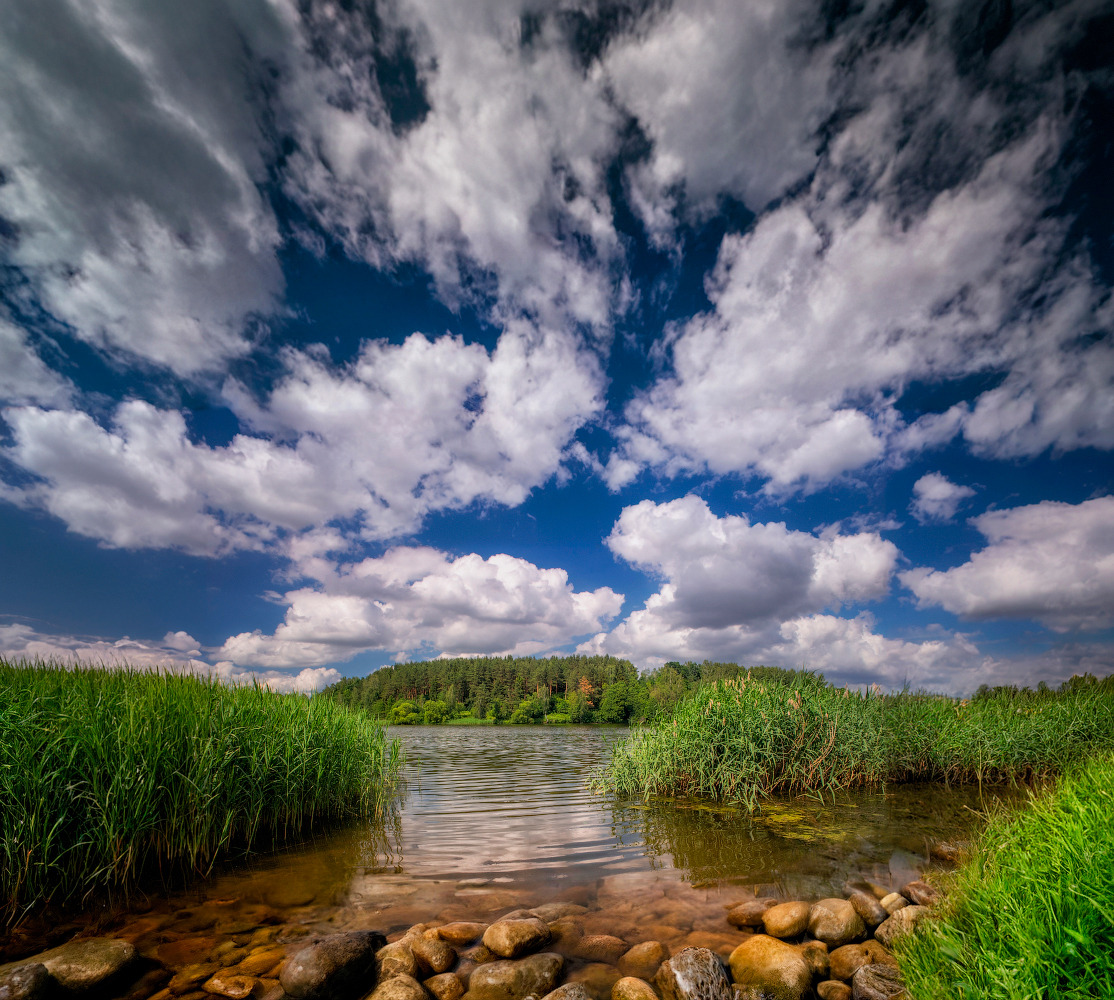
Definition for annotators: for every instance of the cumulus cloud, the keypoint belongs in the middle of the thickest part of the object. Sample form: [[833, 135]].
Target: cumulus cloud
[[403, 430], [936, 498], [417, 598], [1051, 562], [24, 377]]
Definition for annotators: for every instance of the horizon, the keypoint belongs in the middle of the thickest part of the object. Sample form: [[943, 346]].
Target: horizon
[[340, 335]]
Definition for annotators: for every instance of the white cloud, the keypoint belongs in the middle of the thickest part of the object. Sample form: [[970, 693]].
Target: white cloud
[[24, 377], [403, 430], [132, 162], [1051, 562], [936, 498], [415, 598]]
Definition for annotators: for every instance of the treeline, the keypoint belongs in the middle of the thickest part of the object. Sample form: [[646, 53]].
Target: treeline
[[523, 689]]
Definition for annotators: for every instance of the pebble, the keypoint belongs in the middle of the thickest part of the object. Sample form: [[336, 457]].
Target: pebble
[[766, 967], [749, 913], [643, 960], [835, 922], [786, 920], [446, 986], [511, 938], [632, 988]]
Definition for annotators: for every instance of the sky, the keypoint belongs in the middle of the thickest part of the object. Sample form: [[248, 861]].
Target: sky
[[336, 334]]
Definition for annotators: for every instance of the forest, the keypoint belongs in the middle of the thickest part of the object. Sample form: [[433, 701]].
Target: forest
[[524, 690]]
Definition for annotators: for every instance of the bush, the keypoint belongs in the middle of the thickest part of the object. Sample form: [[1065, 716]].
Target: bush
[[405, 713], [434, 713]]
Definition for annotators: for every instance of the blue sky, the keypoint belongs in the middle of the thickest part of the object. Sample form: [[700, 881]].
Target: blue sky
[[333, 334]]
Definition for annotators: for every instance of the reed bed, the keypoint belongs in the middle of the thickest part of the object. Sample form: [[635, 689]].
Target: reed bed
[[745, 739], [108, 776], [1031, 912]]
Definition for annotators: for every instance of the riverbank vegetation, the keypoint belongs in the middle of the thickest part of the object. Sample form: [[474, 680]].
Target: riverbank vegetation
[[527, 690], [1031, 912], [768, 733], [111, 775]]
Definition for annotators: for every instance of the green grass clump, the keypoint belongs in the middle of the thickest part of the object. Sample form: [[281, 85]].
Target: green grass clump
[[1031, 913], [111, 775], [750, 737]]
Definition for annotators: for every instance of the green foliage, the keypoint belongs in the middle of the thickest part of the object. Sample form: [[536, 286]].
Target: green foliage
[[434, 712], [1031, 913], [557, 719], [405, 713], [109, 775], [790, 732], [615, 705], [530, 711]]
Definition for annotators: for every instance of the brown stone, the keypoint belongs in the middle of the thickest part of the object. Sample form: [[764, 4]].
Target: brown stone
[[878, 954], [815, 954], [234, 987], [446, 986], [643, 960], [893, 902], [511, 938], [869, 909], [766, 967], [833, 990], [396, 959], [187, 979], [878, 982], [399, 988], [846, 961], [268, 989], [835, 922], [515, 980], [900, 923], [693, 974], [259, 962], [749, 912], [185, 951], [786, 920], [555, 911], [600, 948], [479, 954], [331, 966], [461, 932], [570, 991], [433, 954], [921, 893], [83, 964], [597, 978], [632, 988], [29, 981], [565, 933]]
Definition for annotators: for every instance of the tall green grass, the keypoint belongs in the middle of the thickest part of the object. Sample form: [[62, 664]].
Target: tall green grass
[[1031, 913], [110, 775], [744, 739]]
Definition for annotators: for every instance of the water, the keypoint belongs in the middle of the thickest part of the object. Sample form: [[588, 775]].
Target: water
[[496, 818]]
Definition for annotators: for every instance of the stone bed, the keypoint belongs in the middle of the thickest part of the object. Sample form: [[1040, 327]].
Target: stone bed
[[834, 949]]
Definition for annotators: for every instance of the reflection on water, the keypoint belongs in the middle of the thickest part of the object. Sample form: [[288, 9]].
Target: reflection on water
[[492, 819]]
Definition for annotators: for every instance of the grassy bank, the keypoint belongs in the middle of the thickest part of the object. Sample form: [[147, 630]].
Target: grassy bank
[[1031, 914], [746, 738], [108, 775]]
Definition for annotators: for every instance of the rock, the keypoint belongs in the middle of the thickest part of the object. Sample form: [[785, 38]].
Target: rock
[[921, 893], [433, 953], [643, 960], [835, 922], [597, 978], [565, 933], [869, 909], [185, 951], [721, 944], [846, 961], [786, 920], [396, 959], [944, 851], [152, 981], [771, 969], [570, 991], [693, 974], [894, 902], [749, 913], [189, 978], [269, 989], [446, 986], [25, 982], [632, 988], [332, 967], [234, 987], [815, 954], [833, 990], [901, 922], [878, 982], [80, 965], [480, 954], [878, 954], [260, 962], [461, 932], [511, 938], [600, 948], [555, 911], [515, 980], [399, 988]]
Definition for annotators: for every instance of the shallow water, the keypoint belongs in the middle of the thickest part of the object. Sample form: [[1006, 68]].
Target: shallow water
[[496, 818]]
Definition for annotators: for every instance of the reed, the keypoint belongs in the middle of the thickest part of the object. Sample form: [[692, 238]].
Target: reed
[[1031, 912], [745, 739], [108, 776]]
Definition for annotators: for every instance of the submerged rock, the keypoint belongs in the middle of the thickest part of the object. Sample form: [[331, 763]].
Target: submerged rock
[[749, 913], [869, 909], [786, 920], [833, 990], [878, 982], [81, 965], [234, 987], [693, 974], [632, 988], [446, 986], [901, 922], [25, 982], [767, 968], [515, 980], [643, 960], [433, 953], [332, 967], [461, 932], [597, 978], [399, 988], [815, 954], [511, 938], [569, 991], [835, 922], [600, 948], [555, 911]]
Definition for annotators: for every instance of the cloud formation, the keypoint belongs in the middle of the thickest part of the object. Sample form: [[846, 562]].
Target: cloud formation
[[1050, 562], [937, 498]]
